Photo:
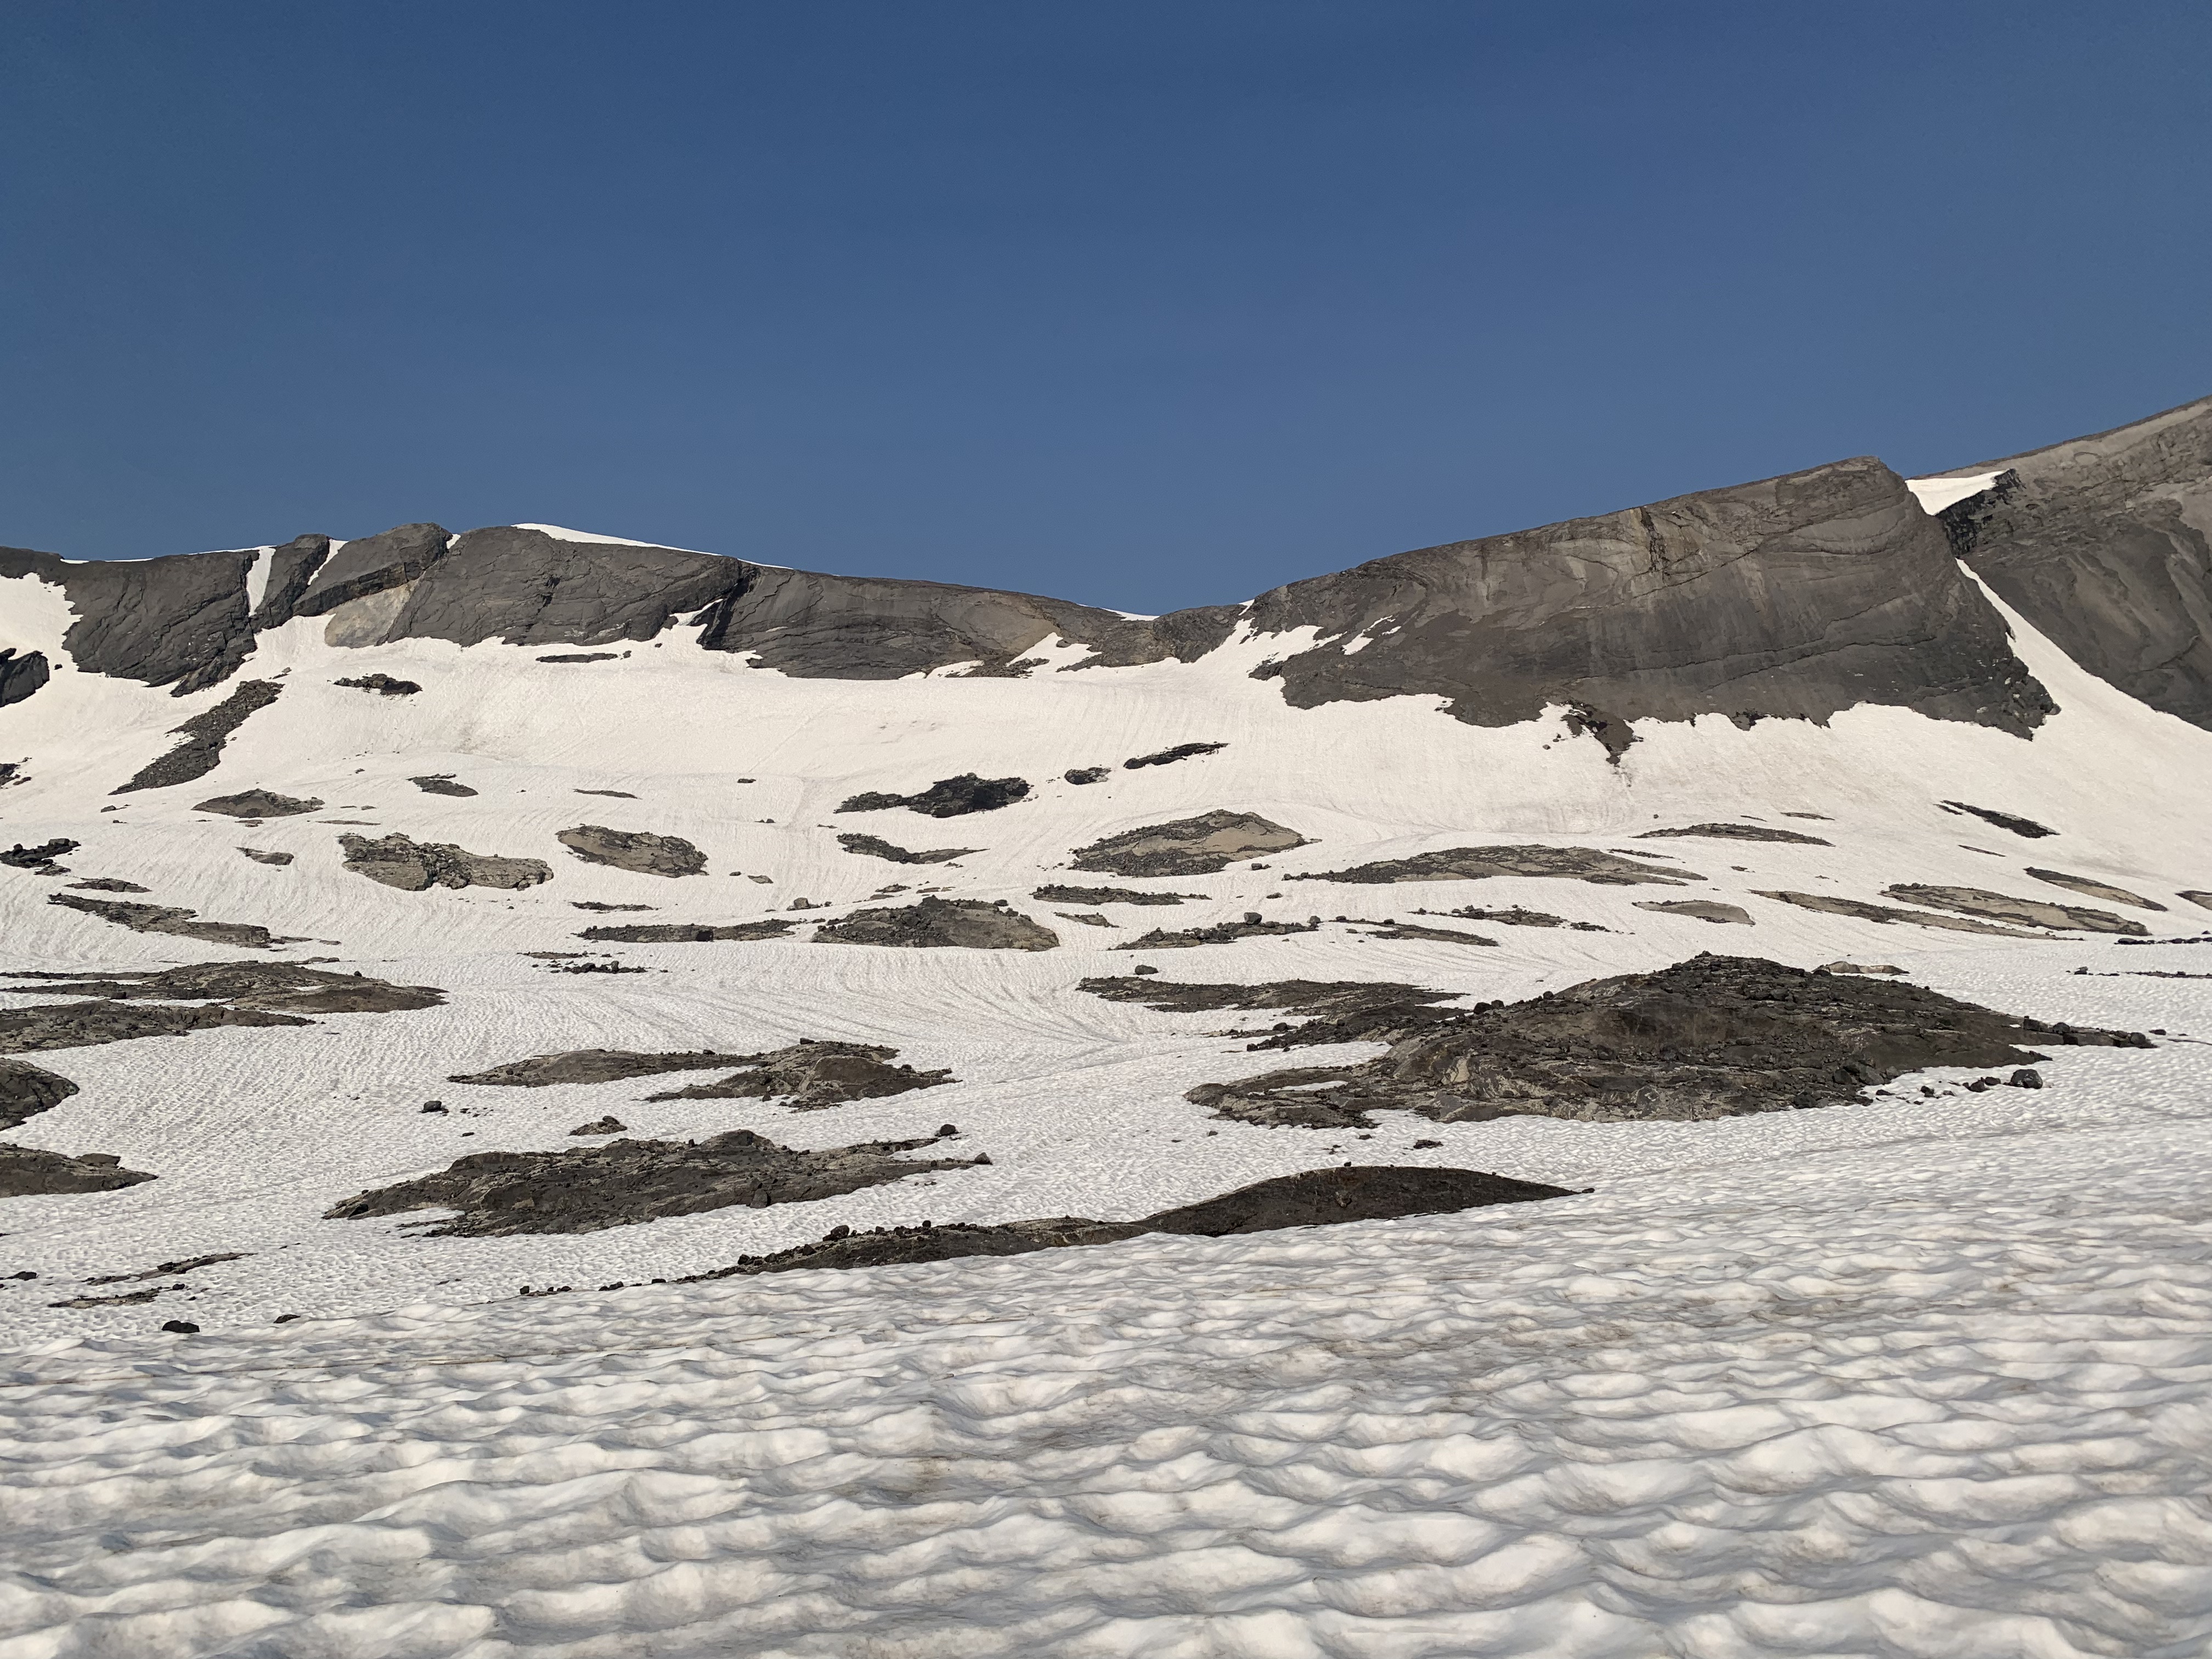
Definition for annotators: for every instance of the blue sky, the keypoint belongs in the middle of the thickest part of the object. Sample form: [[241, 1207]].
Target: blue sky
[[1145, 305]]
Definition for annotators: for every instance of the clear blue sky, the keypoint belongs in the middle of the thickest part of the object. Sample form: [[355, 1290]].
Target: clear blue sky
[[1143, 304]]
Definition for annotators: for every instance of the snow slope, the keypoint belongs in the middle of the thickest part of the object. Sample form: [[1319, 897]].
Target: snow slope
[[1924, 1375]]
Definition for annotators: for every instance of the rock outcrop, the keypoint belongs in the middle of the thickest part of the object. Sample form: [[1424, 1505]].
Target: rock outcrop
[[1059, 895], [684, 932], [170, 919], [2026, 912], [1714, 1036], [937, 923], [1703, 909], [1169, 757], [204, 735], [42, 859], [810, 1075], [875, 846], [258, 803], [27, 1089], [27, 1171], [20, 675], [412, 866], [596, 1066], [948, 797], [634, 849], [585, 1188], [1835, 905], [1188, 846], [1480, 863], [2089, 888], [2018, 825], [1735, 832], [1312, 1198]]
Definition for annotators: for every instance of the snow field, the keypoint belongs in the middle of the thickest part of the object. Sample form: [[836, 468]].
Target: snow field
[[1841, 1403]]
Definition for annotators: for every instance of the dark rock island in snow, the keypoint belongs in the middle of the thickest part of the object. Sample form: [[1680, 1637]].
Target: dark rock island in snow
[[1714, 1036], [584, 1189], [1188, 847], [634, 849], [964, 924], [412, 867], [948, 797]]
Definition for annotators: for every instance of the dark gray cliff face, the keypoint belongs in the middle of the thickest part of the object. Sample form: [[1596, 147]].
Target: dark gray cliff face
[[2105, 544], [1795, 597], [1798, 596], [812, 626], [523, 587], [179, 621]]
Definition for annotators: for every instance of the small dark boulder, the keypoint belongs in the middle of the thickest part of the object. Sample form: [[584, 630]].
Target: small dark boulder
[[440, 783], [383, 684]]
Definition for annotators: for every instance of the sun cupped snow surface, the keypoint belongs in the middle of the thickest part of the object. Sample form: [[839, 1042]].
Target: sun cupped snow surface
[[1927, 1375]]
